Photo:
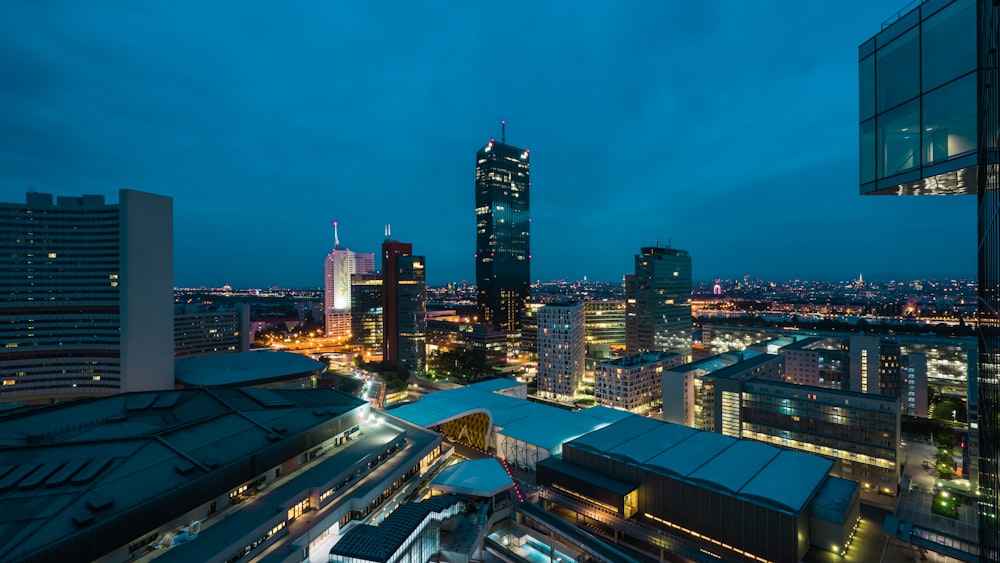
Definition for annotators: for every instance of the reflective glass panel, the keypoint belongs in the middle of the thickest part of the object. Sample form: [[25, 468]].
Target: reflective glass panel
[[866, 85], [897, 70], [950, 120], [899, 140], [949, 43], [868, 151]]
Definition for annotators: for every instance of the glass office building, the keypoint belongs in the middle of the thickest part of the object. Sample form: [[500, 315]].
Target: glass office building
[[930, 124], [918, 102], [503, 234]]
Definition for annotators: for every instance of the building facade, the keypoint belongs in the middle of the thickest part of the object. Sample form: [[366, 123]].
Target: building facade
[[930, 124], [859, 431], [561, 350], [633, 383], [338, 268], [404, 306], [658, 302], [604, 327], [503, 234], [87, 295], [201, 330], [366, 310]]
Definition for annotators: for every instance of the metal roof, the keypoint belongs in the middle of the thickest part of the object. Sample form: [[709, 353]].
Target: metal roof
[[476, 477], [379, 543], [766, 475], [74, 465], [244, 368]]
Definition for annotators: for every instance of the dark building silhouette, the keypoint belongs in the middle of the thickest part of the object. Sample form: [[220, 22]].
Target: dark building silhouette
[[503, 229], [930, 124], [366, 310], [404, 305]]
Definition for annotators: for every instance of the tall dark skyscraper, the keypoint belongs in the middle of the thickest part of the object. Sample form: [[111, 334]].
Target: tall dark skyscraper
[[503, 234], [658, 302], [930, 124], [404, 306]]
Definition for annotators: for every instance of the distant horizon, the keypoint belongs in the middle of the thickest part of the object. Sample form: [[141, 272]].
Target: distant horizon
[[875, 279]]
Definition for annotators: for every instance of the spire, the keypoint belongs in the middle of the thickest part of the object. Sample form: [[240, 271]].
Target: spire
[[388, 231], [336, 238], [503, 131]]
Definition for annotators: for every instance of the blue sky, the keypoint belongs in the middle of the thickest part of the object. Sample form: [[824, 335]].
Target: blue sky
[[728, 128]]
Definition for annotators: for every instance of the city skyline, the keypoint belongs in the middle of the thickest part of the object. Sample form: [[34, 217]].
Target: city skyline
[[693, 125]]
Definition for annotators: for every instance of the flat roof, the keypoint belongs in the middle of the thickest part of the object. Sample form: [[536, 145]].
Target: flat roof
[[498, 384], [244, 368], [834, 498], [476, 477]]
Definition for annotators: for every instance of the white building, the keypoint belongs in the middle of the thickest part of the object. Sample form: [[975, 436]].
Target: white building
[[338, 268], [561, 350], [88, 288], [633, 383]]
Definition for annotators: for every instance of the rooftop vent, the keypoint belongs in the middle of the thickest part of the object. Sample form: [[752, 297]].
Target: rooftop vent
[[91, 471], [267, 398], [184, 467], [98, 504], [83, 518]]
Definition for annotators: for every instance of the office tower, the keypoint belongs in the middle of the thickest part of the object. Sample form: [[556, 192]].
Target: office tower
[[930, 124], [404, 306], [366, 310], [503, 229], [633, 383], [604, 327], [658, 302], [561, 350], [338, 268], [87, 295]]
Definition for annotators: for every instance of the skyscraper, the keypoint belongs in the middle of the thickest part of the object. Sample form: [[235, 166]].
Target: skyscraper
[[86, 295], [930, 124], [658, 302], [404, 306], [338, 268], [561, 350], [503, 229]]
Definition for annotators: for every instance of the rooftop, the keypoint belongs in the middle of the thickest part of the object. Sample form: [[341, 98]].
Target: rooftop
[[244, 368], [542, 425], [379, 543], [130, 452], [477, 477], [758, 473]]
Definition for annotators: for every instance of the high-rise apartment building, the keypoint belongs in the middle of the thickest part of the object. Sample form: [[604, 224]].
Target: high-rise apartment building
[[404, 306], [202, 330], [503, 234], [338, 268], [87, 295], [561, 350], [658, 302], [930, 124], [633, 383]]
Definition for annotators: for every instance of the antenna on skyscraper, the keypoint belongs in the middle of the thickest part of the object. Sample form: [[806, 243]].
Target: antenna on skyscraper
[[388, 231], [503, 131], [336, 239]]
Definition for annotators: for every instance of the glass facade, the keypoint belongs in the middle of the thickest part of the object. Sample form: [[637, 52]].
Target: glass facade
[[917, 100], [503, 234], [959, 67]]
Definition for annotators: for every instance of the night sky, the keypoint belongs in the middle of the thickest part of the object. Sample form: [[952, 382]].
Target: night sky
[[728, 128]]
